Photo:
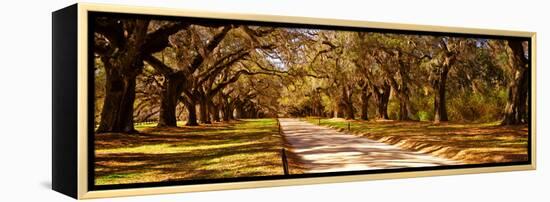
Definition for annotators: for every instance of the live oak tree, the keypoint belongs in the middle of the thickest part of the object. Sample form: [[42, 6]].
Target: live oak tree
[[202, 70], [180, 81], [121, 46], [514, 59], [387, 64], [446, 58], [517, 108]]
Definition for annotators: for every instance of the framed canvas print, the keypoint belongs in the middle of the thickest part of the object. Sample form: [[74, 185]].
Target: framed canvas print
[[156, 100]]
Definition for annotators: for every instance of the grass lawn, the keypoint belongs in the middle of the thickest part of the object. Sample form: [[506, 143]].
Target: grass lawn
[[222, 150], [469, 143]]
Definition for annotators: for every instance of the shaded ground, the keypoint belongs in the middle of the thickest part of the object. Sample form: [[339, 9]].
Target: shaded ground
[[469, 143], [327, 150], [252, 148], [243, 148]]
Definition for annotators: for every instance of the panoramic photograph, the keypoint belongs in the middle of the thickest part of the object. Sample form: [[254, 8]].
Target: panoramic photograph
[[184, 99]]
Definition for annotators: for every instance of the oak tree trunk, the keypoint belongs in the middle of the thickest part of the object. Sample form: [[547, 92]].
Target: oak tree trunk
[[347, 102], [238, 110], [349, 111], [403, 107], [214, 111], [191, 113], [440, 102], [203, 115], [121, 71], [169, 101], [365, 96], [231, 112], [402, 90], [383, 98], [516, 110], [339, 111], [226, 112], [118, 106]]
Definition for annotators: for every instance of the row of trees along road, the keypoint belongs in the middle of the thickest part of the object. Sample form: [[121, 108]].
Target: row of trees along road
[[163, 70]]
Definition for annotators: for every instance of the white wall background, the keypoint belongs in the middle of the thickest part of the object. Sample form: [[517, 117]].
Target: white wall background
[[25, 102]]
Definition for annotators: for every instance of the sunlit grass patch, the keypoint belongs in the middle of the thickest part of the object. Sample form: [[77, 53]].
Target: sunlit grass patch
[[139, 126], [469, 143], [240, 148], [109, 179]]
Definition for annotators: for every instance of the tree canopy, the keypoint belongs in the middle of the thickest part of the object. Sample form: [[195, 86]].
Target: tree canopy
[[169, 71]]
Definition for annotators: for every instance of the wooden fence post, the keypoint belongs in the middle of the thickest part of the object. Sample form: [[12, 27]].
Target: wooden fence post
[[285, 161]]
